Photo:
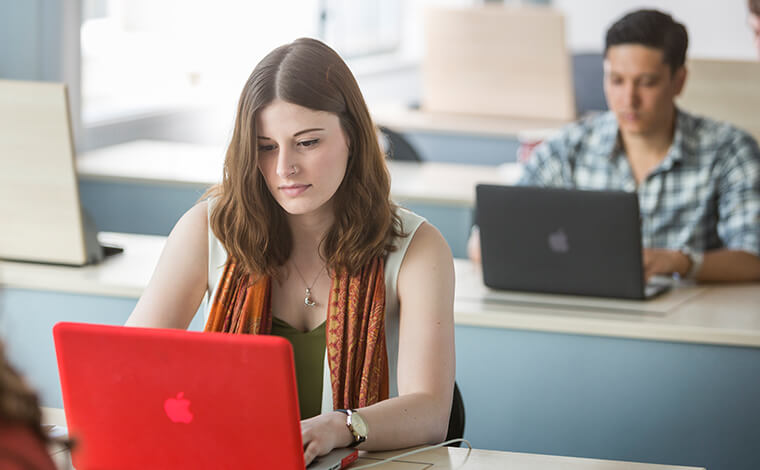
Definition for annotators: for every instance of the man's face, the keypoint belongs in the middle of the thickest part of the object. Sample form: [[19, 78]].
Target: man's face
[[754, 26], [640, 88]]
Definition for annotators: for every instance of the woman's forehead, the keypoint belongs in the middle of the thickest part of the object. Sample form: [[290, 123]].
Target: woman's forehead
[[283, 118]]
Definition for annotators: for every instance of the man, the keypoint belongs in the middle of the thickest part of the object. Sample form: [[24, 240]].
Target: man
[[698, 180], [754, 22]]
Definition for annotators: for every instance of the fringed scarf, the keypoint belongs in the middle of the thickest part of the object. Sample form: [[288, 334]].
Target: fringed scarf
[[354, 329]]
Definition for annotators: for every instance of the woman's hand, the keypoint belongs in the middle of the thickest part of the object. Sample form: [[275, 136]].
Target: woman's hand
[[323, 433]]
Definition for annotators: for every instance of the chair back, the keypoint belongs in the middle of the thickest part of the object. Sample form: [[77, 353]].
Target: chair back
[[456, 419], [397, 147]]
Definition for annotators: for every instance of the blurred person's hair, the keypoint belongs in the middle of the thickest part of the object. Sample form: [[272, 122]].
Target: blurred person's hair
[[19, 405], [655, 29]]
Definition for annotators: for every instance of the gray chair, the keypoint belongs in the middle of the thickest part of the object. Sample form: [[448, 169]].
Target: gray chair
[[397, 147], [456, 419], [588, 77]]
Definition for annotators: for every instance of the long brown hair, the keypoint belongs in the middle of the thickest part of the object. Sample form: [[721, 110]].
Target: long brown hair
[[248, 221], [18, 403], [20, 407]]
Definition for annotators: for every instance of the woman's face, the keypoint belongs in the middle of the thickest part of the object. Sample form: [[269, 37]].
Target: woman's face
[[303, 156]]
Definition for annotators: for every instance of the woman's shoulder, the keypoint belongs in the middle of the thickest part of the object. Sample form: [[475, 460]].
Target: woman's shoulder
[[425, 243], [409, 220], [428, 240], [190, 233], [195, 219], [427, 265]]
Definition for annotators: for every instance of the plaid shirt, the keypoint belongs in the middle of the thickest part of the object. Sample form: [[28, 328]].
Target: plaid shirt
[[704, 195]]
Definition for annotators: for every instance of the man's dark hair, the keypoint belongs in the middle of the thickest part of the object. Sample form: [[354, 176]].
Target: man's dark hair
[[654, 29], [754, 6]]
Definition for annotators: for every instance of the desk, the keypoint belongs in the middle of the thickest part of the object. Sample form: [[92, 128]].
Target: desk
[[401, 117], [445, 458], [145, 186], [460, 137], [678, 385]]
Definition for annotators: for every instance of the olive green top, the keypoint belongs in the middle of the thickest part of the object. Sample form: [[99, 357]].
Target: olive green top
[[309, 356]]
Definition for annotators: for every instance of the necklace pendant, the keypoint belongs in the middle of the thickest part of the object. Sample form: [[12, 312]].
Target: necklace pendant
[[308, 301]]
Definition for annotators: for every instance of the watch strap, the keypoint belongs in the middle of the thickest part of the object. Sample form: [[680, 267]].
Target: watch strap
[[358, 438], [695, 262]]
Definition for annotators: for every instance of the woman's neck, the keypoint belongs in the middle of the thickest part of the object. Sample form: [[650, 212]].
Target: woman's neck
[[308, 231]]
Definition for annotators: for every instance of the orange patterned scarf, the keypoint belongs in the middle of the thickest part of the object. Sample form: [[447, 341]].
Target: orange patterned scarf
[[354, 329]]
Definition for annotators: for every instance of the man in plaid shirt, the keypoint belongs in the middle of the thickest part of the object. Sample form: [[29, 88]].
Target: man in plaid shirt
[[698, 180]]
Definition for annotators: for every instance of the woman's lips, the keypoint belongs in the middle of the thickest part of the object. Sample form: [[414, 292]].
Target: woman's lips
[[294, 190]]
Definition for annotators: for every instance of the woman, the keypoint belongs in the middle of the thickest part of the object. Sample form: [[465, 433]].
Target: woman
[[301, 240]]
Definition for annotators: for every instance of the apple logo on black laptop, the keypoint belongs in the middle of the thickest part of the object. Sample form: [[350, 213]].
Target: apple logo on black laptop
[[178, 409], [558, 241]]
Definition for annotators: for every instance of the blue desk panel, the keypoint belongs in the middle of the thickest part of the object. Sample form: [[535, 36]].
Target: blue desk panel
[[464, 148], [127, 207], [610, 398], [154, 210], [26, 325]]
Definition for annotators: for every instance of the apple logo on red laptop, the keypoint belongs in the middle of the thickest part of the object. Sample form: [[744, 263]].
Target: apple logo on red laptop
[[178, 409], [558, 241]]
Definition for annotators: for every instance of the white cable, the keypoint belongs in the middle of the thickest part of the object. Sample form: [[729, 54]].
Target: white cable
[[412, 452]]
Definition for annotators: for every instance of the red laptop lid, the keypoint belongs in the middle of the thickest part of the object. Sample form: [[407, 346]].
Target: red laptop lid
[[158, 398]]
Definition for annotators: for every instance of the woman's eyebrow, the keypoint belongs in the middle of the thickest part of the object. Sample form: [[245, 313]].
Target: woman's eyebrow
[[307, 130], [297, 133]]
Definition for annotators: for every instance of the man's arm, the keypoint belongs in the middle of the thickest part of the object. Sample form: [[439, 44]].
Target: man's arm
[[739, 210], [729, 265], [738, 226], [718, 265]]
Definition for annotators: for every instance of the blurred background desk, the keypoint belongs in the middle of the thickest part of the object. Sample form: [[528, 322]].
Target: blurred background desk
[[462, 138], [674, 382], [145, 186]]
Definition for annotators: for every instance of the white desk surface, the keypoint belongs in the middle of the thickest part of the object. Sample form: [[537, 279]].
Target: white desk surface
[[401, 117], [711, 314], [181, 164], [445, 458]]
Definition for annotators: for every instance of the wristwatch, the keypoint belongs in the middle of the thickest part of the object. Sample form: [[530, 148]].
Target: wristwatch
[[356, 426], [695, 262]]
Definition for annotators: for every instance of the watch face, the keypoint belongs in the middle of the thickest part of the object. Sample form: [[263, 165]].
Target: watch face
[[359, 425]]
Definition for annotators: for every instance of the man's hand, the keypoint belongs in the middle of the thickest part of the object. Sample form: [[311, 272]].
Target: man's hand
[[473, 245], [667, 262]]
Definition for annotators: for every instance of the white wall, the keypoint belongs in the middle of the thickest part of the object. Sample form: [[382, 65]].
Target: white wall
[[717, 28], [412, 46]]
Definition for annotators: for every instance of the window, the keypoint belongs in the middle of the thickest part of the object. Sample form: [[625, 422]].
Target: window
[[140, 57]]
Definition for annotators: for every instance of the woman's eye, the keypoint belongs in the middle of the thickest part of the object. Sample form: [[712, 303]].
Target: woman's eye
[[309, 143], [266, 148]]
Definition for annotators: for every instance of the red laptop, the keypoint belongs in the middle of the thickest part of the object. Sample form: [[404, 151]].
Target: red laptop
[[138, 398]]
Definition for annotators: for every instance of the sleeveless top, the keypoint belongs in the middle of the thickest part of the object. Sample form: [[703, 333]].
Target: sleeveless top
[[309, 348], [410, 222]]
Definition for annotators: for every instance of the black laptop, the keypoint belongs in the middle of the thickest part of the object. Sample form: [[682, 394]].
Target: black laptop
[[562, 241]]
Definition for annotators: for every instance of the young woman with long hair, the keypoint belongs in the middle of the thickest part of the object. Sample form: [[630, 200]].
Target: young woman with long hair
[[301, 240]]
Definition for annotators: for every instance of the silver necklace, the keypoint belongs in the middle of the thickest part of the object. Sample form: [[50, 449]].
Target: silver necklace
[[308, 301]]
